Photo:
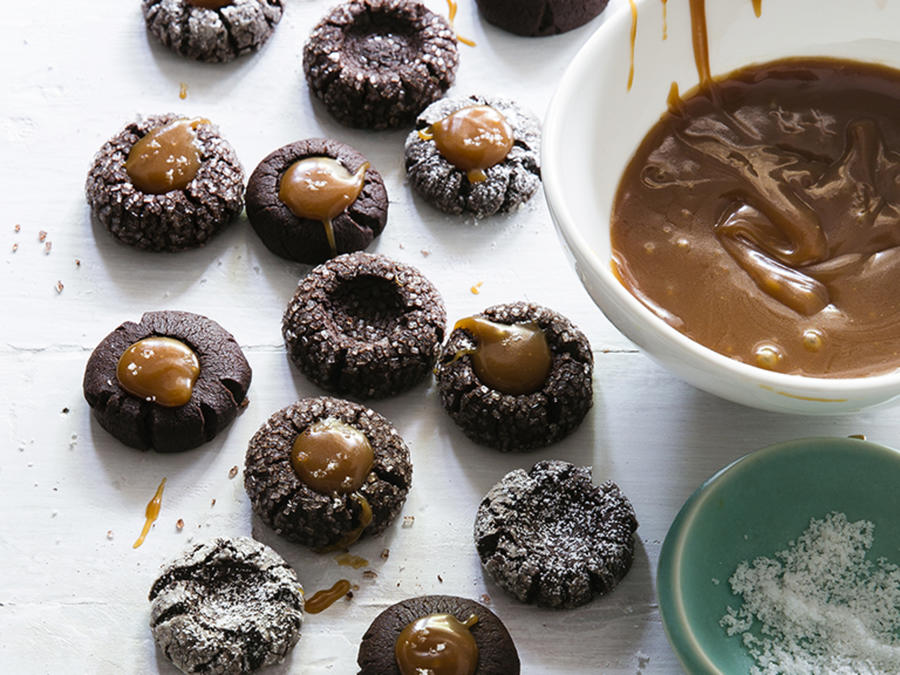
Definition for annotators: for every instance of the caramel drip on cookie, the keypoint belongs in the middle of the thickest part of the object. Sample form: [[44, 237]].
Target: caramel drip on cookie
[[166, 158], [511, 358], [151, 513], [437, 644], [473, 139], [365, 519], [322, 600], [210, 4], [321, 188], [161, 370]]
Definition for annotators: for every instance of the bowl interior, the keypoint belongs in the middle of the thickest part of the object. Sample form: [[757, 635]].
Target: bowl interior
[[755, 507]]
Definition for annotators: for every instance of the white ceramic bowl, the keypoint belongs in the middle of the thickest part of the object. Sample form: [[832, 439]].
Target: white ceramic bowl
[[594, 125]]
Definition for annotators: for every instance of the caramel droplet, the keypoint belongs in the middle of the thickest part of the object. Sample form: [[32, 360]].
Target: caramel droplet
[[322, 600], [437, 644], [769, 356], [513, 359], [472, 139], [159, 369], [321, 188], [167, 158], [151, 513], [813, 339], [331, 456]]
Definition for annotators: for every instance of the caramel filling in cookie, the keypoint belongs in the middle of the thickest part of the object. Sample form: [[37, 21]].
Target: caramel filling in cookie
[[472, 139], [331, 456], [514, 359], [209, 4], [159, 369], [166, 158], [321, 188], [438, 644]]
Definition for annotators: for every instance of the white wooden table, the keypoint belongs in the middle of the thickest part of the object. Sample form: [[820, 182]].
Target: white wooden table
[[73, 592]]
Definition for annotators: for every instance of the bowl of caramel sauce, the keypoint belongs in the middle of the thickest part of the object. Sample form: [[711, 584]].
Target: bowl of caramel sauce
[[726, 179]]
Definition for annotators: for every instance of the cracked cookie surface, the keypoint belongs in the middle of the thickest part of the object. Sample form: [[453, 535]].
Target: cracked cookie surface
[[225, 607], [519, 421], [304, 239], [551, 537], [215, 35], [170, 221], [364, 325], [508, 184], [219, 391], [302, 514], [376, 63]]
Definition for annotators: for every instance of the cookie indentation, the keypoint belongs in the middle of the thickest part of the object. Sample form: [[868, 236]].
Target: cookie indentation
[[550, 537]]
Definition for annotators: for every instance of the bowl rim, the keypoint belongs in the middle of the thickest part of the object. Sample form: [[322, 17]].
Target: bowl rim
[[669, 594], [823, 389]]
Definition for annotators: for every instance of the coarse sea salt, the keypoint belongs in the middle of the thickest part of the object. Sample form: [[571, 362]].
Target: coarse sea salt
[[820, 605]]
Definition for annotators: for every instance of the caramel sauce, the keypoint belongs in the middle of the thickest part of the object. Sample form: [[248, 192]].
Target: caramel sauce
[[473, 139], [665, 20], [700, 42], [322, 600], [350, 560], [453, 7], [761, 215], [757, 8], [634, 20], [159, 369], [151, 513], [332, 457], [513, 359], [166, 158], [365, 519], [210, 4], [437, 644], [321, 188]]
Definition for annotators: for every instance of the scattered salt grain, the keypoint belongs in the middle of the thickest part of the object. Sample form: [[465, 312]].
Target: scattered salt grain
[[820, 605]]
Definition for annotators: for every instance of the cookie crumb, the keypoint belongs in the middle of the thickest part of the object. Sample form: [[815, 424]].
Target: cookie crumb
[[440, 579], [370, 574], [385, 553], [476, 289], [485, 598], [77, 262], [42, 235], [232, 472], [212, 503], [182, 92], [408, 521], [15, 247], [425, 253], [47, 246], [59, 286], [17, 228], [109, 534], [65, 411], [179, 524]]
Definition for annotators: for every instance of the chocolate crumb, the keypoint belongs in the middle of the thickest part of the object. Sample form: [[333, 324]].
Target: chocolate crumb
[[77, 262], [179, 524], [65, 411], [15, 247], [440, 578], [17, 228], [349, 595], [408, 521], [385, 553], [42, 235], [485, 598], [233, 471], [59, 287], [212, 503], [425, 253]]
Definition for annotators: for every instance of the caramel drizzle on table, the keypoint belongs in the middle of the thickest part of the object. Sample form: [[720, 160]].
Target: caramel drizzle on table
[[634, 19], [151, 513], [451, 15], [322, 600]]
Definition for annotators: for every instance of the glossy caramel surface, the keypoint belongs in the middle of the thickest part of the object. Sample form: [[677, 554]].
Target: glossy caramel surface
[[159, 369]]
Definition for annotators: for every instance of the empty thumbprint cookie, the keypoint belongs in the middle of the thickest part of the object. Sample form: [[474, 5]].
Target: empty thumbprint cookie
[[212, 30], [166, 183], [479, 155], [364, 325], [551, 537], [535, 18], [227, 606], [314, 199], [376, 63], [437, 634], [516, 376], [170, 382], [324, 472]]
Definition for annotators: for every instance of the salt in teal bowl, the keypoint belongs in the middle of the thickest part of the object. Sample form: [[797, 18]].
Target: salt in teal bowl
[[755, 507]]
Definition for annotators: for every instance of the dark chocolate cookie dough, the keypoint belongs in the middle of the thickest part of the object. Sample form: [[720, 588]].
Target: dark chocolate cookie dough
[[497, 653], [219, 390], [506, 185], [518, 421], [534, 18], [305, 239], [376, 63], [364, 325], [179, 218], [228, 606], [212, 30], [322, 520], [550, 536]]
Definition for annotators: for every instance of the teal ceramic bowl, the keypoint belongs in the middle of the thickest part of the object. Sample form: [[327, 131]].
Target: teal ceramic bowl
[[755, 507]]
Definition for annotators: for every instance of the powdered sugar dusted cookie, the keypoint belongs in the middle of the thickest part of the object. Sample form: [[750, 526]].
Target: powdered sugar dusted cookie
[[478, 154], [228, 606], [551, 537]]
